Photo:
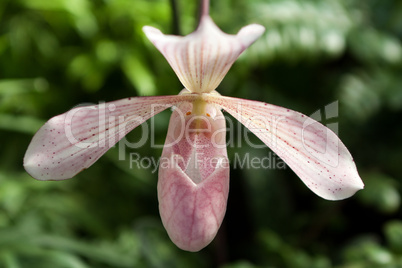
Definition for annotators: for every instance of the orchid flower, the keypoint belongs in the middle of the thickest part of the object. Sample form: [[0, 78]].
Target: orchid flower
[[193, 180]]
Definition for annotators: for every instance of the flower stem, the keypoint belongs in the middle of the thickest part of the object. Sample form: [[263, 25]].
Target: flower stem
[[204, 8], [203, 11]]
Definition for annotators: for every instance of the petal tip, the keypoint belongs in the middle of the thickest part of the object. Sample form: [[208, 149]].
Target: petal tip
[[345, 192], [151, 32], [250, 33]]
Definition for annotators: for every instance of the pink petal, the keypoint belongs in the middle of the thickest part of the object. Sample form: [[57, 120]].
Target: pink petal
[[202, 58], [73, 141], [312, 150], [193, 180]]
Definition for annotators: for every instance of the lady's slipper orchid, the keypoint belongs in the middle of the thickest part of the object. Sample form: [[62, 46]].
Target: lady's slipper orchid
[[193, 180]]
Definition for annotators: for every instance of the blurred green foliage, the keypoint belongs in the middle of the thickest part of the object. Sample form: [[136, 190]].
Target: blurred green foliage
[[57, 54]]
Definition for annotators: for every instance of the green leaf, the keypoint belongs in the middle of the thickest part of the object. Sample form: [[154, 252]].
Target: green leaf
[[380, 192], [140, 76], [393, 234], [19, 123]]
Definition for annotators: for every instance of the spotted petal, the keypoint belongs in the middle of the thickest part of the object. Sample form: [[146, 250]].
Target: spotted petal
[[193, 182], [202, 58], [312, 150], [73, 141]]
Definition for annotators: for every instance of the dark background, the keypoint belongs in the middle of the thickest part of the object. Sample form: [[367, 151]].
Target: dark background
[[57, 54]]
